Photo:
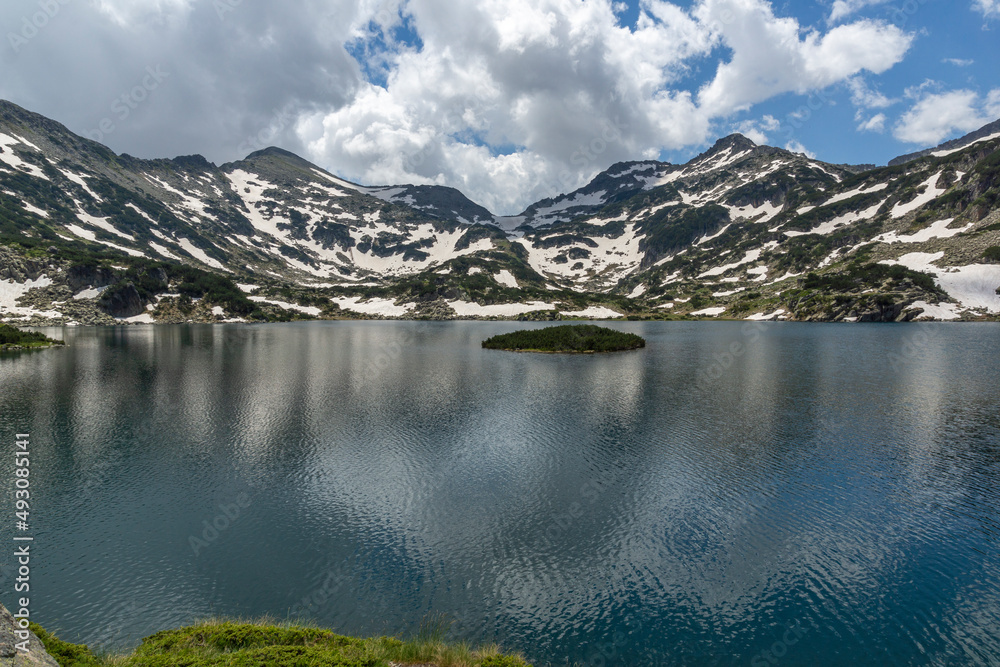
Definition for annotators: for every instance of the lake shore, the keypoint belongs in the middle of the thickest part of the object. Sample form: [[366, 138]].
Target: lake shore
[[276, 644]]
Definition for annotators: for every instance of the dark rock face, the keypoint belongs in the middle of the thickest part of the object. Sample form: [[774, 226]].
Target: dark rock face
[[888, 313], [122, 301], [82, 277]]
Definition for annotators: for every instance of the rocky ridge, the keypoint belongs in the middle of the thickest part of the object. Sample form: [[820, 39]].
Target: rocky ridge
[[741, 231]]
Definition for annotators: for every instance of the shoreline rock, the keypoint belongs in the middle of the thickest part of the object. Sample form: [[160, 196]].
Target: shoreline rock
[[36, 656]]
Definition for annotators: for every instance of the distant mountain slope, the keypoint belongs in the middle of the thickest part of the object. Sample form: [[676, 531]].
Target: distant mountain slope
[[991, 131], [742, 231]]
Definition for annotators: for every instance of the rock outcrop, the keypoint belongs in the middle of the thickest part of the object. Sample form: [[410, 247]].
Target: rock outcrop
[[35, 656], [122, 301]]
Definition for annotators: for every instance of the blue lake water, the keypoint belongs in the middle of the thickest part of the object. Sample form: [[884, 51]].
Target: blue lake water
[[731, 495]]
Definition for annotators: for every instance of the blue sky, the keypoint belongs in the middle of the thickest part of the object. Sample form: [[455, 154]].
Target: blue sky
[[508, 100], [955, 47]]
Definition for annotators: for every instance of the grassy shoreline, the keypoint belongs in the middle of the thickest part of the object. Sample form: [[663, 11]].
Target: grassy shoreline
[[250, 643]]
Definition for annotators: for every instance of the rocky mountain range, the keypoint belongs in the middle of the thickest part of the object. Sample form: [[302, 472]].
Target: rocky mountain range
[[742, 231]]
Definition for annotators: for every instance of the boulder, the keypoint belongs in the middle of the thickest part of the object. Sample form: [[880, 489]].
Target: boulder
[[35, 656], [122, 301]]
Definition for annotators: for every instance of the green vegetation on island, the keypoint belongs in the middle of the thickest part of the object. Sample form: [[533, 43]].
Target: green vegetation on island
[[12, 338], [574, 339], [225, 643]]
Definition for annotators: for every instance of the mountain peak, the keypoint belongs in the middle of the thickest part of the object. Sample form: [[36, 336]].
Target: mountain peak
[[194, 162], [737, 141], [273, 151]]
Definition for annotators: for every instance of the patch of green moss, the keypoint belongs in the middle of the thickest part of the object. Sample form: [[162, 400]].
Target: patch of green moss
[[66, 654], [238, 644]]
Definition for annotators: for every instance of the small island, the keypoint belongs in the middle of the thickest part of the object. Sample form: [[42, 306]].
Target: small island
[[12, 338], [570, 339]]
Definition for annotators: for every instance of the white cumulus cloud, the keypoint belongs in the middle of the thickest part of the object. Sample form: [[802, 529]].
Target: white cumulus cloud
[[844, 8], [515, 100], [131, 12], [771, 55], [874, 124], [756, 130], [864, 96], [989, 8], [936, 116], [797, 147]]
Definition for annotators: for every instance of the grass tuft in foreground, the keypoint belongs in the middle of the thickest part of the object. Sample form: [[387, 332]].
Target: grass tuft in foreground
[[580, 339], [230, 643]]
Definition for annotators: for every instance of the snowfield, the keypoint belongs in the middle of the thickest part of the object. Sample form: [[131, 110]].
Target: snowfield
[[938, 230], [469, 309], [11, 291], [709, 312], [973, 286], [595, 313], [8, 157]]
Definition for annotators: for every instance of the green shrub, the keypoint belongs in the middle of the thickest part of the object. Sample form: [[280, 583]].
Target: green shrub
[[580, 338], [992, 253], [859, 276], [13, 336]]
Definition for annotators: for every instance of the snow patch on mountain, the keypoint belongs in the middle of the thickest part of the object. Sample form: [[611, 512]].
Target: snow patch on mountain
[[8, 157], [78, 179], [831, 226], [862, 190], [974, 286], [11, 291], [308, 310], [200, 255], [931, 192], [709, 312], [938, 230], [471, 309], [939, 311], [506, 278], [595, 313], [750, 257], [962, 148], [103, 224]]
